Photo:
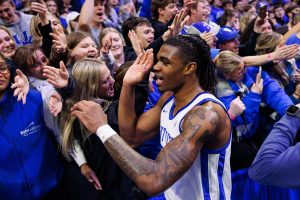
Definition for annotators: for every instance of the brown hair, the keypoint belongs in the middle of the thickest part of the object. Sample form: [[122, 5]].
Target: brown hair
[[156, 4], [24, 58], [267, 42], [73, 40]]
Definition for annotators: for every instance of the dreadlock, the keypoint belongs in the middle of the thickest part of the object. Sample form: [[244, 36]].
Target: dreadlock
[[194, 49]]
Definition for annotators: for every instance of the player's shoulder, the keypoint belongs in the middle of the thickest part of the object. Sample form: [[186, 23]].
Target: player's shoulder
[[211, 112]]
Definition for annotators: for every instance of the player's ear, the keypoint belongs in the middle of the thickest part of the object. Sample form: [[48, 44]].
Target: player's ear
[[190, 68]]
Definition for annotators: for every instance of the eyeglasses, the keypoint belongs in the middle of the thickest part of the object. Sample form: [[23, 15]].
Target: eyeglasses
[[4, 68]]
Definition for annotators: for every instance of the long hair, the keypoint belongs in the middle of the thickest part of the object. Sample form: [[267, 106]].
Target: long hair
[[86, 73], [192, 48], [267, 42]]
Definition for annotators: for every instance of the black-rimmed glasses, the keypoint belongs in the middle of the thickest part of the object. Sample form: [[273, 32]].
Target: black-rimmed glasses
[[4, 68]]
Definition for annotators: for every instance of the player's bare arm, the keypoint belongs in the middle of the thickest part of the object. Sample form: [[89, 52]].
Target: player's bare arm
[[132, 129], [174, 160]]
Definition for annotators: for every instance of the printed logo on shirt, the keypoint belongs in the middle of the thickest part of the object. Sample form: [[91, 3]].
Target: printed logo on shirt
[[27, 39], [30, 129], [165, 136]]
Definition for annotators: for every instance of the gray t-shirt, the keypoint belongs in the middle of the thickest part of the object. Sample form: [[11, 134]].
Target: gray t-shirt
[[21, 29]]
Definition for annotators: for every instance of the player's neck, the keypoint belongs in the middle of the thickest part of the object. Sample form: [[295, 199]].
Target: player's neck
[[186, 94]]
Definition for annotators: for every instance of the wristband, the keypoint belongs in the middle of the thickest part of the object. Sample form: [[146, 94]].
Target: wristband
[[104, 132]]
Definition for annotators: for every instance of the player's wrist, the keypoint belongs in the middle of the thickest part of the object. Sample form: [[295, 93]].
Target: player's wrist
[[104, 132]]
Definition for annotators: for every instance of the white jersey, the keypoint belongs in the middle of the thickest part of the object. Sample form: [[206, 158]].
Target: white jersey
[[209, 177]]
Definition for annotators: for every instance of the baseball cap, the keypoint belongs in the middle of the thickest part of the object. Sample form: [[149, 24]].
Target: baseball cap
[[202, 27], [226, 34], [72, 16], [261, 4]]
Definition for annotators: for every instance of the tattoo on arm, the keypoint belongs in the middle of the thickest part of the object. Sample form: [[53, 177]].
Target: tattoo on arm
[[175, 158]]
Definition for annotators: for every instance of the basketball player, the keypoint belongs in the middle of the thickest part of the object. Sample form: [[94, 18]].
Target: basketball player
[[193, 124]]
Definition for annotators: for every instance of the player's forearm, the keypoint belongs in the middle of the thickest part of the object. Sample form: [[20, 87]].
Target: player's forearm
[[126, 114], [152, 177]]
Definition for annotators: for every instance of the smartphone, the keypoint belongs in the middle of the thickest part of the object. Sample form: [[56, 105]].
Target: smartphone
[[262, 12]]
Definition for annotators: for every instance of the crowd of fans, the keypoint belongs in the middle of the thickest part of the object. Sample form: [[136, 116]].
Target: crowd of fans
[[55, 53]]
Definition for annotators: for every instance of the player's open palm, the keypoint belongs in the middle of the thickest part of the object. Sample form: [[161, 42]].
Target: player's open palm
[[137, 72]]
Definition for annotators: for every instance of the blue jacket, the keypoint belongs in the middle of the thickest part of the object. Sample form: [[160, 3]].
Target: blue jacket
[[29, 166], [278, 160], [273, 95]]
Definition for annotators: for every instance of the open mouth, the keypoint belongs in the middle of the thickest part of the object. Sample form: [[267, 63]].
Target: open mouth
[[111, 91], [150, 41], [158, 79], [100, 14], [92, 55]]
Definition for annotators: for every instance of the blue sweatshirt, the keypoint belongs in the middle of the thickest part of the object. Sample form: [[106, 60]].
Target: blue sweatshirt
[[29, 164], [278, 160]]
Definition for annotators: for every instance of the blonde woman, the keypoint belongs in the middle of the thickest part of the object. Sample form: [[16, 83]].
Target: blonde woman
[[250, 87], [116, 42], [93, 82], [286, 73], [7, 44]]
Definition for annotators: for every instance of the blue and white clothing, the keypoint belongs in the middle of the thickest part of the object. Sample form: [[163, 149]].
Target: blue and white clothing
[[30, 167], [20, 30], [209, 177]]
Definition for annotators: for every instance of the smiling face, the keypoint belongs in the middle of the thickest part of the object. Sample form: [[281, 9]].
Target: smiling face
[[7, 13], [85, 48], [106, 83], [145, 34], [166, 13], [4, 76], [231, 45], [201, 12], [116, 45], [7, 44], [169, 69]]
